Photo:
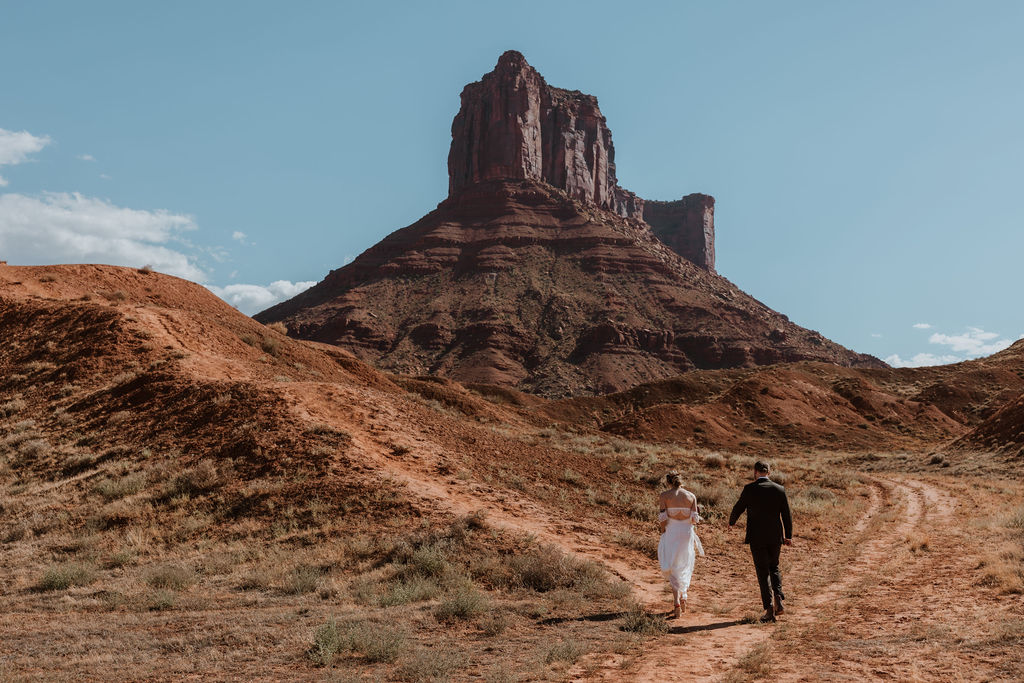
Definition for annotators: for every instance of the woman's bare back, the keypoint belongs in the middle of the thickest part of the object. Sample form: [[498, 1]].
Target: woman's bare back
[[682, 500]]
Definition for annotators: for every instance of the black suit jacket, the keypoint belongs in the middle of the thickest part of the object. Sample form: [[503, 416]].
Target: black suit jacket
[[768, 520]]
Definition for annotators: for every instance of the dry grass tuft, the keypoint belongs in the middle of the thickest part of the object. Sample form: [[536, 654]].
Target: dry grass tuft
[[639, 620], [173, 576], [64, 576], [463, 603]]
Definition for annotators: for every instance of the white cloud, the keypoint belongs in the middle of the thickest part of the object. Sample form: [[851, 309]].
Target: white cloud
[[239, 236], [250, 299], [876, 335], [973, 343], [15, 148], [921, 359], [86, 157], [58, 227], [923, 326], [104, 176]]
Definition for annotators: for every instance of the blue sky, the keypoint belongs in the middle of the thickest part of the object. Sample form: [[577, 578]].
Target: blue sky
[[866, 157]]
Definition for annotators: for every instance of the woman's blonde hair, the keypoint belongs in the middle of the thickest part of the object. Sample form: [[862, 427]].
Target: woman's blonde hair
[[674, 479]]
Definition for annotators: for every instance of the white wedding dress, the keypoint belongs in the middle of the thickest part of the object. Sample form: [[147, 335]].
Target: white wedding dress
[[679, 547]]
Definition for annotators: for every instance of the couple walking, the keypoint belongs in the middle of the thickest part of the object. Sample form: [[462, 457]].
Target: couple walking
[[769, 527]]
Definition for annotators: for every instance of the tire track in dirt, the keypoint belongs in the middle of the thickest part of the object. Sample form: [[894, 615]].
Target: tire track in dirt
[[844, 628]]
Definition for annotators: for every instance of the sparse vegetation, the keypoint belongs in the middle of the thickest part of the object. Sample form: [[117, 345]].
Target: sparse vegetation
[[639, 620], [172, 576], [62, 577]]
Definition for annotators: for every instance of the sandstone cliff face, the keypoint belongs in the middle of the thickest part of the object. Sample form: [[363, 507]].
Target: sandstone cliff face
[[513, 125], [687, 226], [539, 272]]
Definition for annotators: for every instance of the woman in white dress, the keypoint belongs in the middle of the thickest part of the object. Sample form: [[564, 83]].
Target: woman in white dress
[[679, 545]]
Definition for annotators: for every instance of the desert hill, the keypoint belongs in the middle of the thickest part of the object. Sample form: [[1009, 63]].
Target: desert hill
[[540, 273], [188, 493]]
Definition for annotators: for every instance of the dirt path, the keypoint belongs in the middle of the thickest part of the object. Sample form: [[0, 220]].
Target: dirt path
[[840, 604]]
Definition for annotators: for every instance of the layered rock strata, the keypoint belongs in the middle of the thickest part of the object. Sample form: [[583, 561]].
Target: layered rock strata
[[539, 272], [513, 125]]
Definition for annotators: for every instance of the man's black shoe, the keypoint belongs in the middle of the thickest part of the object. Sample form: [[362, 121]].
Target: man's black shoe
[[768, 616]]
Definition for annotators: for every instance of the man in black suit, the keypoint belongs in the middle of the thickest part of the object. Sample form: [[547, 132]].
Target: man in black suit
[[769, 526]]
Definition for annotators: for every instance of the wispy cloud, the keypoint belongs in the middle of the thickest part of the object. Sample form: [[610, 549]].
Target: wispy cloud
[[922, 326], [921, 359], [60, 227], [86, 157], [16, 147], [239, 236], [250, 299], [974, 343]]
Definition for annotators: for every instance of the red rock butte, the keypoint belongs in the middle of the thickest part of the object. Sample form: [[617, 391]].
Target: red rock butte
[[540, 272]]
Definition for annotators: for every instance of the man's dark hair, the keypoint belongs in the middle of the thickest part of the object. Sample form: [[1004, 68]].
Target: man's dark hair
[[761, 466]]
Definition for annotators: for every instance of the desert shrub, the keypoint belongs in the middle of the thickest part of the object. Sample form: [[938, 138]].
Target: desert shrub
[[411, 589], [260, 578], [462, 603], [78, 463], [644, 543], [16, 532], [327, 430], [644, 510], [162, 600], [839, 480], [117, 295], [327, 643], [64, 576], [494, 624], [271, 346], [375, 642], [172, 576], [714, 461], [249, 339], [567, 651], [433, 664], [639, 620], [34, 448], [23, 425], [429, 560], [112, 489], [572, 477], [1016, 520], [304, 579], [279, 327], [121, 558], [146, 269], [548, 568], [193, 481], [12, 407], [714, 500]]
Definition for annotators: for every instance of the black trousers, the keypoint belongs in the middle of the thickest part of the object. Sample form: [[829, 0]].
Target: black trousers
[[769, 578]]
